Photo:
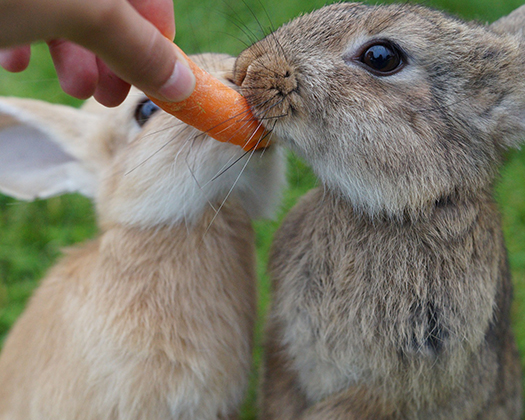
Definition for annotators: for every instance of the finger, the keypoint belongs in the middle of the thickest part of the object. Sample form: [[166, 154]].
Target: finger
[[135, 50], [111, 89], [158, 12], [76, 68], [15, 59]]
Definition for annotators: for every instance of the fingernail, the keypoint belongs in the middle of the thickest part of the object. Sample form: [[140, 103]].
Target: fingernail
[[181, 83]]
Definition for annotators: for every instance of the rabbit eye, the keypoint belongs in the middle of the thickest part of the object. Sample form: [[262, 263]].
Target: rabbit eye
[[144, 111], [382, 58]]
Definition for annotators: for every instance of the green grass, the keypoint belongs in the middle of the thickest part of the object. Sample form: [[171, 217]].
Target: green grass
[[32, 234]]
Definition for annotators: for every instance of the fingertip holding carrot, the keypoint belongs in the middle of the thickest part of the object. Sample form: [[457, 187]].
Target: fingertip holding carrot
[[218, 110]]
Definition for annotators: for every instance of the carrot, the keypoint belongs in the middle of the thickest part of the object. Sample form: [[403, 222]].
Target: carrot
[[219, 111]]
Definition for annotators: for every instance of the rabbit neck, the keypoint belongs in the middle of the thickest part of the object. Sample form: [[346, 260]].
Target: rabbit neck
[[423, 215], [150, 282], [450, 217], [160, 240]]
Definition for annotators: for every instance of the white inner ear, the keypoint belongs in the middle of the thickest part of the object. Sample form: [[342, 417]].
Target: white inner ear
[[33, 166]]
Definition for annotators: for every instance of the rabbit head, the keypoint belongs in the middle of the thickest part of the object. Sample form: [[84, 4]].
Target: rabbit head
[[396, 107], [142, 166]]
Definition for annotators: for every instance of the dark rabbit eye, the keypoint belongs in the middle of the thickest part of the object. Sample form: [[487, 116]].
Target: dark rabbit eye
[[382, 58], [144, 111]]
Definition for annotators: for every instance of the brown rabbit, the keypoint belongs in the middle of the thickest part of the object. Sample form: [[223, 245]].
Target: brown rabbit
[[154, 319], [391, 288]]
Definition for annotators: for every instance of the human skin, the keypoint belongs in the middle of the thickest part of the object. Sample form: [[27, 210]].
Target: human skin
[[99, 47]]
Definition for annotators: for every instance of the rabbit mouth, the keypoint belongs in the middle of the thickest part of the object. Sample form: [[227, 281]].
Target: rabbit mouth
[[271, 90]]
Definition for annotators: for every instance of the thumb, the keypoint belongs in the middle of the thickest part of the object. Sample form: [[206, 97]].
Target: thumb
[[137, 52]]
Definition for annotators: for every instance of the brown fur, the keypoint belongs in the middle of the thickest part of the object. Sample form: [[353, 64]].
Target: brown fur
[[340, 289], [391, 288]]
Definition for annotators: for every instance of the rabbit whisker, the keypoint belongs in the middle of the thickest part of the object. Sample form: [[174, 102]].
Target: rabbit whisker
[[230, 191], [265, 111], [149, 157], [228, 120], [192, 171], [272, 26], [251, 153], [229, 165], [276, 117], [236, 38], [159, 149], [239, 24], [254, 15]]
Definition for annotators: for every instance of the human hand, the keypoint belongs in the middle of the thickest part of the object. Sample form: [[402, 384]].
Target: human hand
[[99, 47]]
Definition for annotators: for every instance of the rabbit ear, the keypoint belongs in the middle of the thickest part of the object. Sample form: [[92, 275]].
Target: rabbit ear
[[44, 149], [513, 24], [513, 108]]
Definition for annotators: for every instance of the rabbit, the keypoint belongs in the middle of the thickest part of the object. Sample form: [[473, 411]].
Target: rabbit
[[391, 290], [154, 318]]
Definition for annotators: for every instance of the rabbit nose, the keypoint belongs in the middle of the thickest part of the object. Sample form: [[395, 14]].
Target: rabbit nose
[[285, 81], [270, 75], [278, 76]]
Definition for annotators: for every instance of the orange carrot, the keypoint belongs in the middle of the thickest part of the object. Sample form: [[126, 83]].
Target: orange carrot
[[218, 111]]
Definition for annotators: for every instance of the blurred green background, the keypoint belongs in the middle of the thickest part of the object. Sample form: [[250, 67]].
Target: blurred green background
[[32, 234]]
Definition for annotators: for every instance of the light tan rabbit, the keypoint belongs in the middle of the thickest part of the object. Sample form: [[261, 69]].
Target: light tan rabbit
[[154, 318], [391, 285]]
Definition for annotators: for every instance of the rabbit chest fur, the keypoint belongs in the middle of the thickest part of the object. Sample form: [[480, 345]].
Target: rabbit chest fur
[[391, 290], [151, 345], [395, 308]]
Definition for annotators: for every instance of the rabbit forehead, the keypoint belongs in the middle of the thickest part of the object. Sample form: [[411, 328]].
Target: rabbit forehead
[[341, 27], [339, 22]]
